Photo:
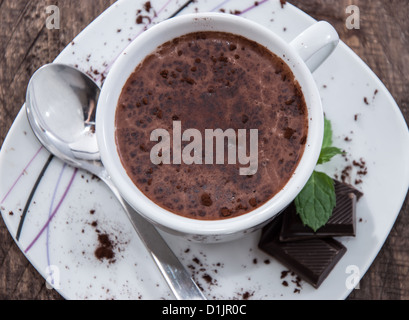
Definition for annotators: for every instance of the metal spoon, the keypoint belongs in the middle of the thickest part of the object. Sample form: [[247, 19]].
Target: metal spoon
[[61, 103]]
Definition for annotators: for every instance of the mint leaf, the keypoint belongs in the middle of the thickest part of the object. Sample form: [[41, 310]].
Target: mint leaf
[[327, 141], [327, 154], [327, 150], [316, 201]]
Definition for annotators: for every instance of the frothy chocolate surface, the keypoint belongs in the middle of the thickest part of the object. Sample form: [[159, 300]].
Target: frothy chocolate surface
[[211, 80]]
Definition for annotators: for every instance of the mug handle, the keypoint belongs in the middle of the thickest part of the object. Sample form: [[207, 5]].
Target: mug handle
[[315, 44]]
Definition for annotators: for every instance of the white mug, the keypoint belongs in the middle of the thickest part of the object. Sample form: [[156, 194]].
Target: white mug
[[303, 55]]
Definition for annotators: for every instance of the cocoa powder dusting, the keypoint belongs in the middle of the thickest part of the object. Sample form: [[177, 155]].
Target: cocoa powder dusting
[[105, 248]]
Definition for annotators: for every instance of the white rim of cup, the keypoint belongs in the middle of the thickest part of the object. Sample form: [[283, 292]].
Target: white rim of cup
[[105, 131]]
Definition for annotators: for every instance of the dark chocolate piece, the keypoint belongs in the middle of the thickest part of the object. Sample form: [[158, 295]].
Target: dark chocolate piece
[[312, 260], [341, 223], [342, 188]]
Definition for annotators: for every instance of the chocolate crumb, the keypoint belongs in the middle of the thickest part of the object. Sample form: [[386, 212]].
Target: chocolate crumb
[[207, 278], [290, 101], [283, 3], [247, 295], [225, 212], [253, 202], [288, 133], [139, 19], [206, 200], [360, 164], [297, 281], [164, 74], [189, 81], [235, 12], [210, 89], [345, 173], [362, 172], [105, 248], [143, 148], [147, 6], [196, 260], [366, 100], [244, 118], [284, 273], [374, 94]]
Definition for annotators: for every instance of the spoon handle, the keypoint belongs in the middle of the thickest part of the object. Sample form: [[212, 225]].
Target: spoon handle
[[178, 278]]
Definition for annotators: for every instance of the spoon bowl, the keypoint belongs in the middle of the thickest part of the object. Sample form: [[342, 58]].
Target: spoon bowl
[[61, 105]]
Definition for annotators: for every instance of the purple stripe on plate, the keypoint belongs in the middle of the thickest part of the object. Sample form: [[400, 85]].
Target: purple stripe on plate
[[256, 4], [21, 174], [50, 212], [220, 5], [54, 212]]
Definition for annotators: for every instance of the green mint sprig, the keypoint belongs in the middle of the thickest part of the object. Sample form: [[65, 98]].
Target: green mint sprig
[[316, 201]]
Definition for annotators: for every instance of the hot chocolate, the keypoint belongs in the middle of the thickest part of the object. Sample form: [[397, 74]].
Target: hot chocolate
[[202, 81]]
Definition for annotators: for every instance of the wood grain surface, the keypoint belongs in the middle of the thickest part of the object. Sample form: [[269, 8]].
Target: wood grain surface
[[26, 44]]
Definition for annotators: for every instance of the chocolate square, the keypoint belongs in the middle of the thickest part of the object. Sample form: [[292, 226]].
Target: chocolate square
[[342, 188], [341, 223], [312, 260]]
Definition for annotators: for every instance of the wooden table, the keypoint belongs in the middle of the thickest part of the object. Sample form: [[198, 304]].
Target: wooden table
[[26, 44]]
